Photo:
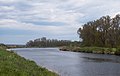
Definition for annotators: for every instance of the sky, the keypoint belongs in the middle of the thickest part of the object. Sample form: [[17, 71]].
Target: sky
[[24, 20]]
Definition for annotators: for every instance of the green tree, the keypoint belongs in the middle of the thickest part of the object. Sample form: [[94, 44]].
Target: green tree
[[103, 32]]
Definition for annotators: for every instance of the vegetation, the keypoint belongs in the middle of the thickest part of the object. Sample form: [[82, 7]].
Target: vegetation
[[99, 36], [104, 32], [3, 46], [43, 42], [97, 50], [15, 46], [13, 65], [11, 46]]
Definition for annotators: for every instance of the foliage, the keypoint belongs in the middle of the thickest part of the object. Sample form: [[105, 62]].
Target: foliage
[[117, 51], [104, 32], [43, 42], [13, 65], [97, 50], [3, 46]]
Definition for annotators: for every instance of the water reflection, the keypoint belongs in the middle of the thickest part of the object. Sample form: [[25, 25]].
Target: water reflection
[[89, 59]]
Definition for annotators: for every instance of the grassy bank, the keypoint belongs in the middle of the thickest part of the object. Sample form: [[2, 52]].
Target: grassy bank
[[13, 65], [97, 50]]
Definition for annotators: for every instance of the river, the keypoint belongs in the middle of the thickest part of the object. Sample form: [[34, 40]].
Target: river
[[72, 63]]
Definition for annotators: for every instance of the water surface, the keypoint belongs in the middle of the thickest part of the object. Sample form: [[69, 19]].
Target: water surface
[[73, 63]]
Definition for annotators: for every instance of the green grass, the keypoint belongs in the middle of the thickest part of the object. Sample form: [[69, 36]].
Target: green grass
[[13, 65], [98, 50]]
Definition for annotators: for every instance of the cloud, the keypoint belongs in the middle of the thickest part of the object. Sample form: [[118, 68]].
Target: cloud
[[6, 8], [45, 11], [12, 24], [7, 1], [53, 17]]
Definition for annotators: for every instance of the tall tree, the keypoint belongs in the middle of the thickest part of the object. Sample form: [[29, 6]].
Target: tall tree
[[104, 32]]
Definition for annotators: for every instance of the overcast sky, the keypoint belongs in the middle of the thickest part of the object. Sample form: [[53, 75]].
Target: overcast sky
[[23, 20]]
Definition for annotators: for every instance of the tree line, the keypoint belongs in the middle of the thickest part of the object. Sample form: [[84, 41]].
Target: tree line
[[44, 42], [103, 32]]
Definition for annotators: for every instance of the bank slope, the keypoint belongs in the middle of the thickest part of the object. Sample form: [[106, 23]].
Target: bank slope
[[13, 65]]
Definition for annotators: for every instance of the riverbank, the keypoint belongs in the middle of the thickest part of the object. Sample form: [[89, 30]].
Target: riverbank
[[13, 65], [96, 50]]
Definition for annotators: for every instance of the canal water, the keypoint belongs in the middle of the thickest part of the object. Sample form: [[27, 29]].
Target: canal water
[[72, 63]]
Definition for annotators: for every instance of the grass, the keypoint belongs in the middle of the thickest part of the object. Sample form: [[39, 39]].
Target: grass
[[13, 65], [98, 50]]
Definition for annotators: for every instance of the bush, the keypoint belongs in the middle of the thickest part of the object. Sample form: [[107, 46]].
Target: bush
[[117, 52]]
